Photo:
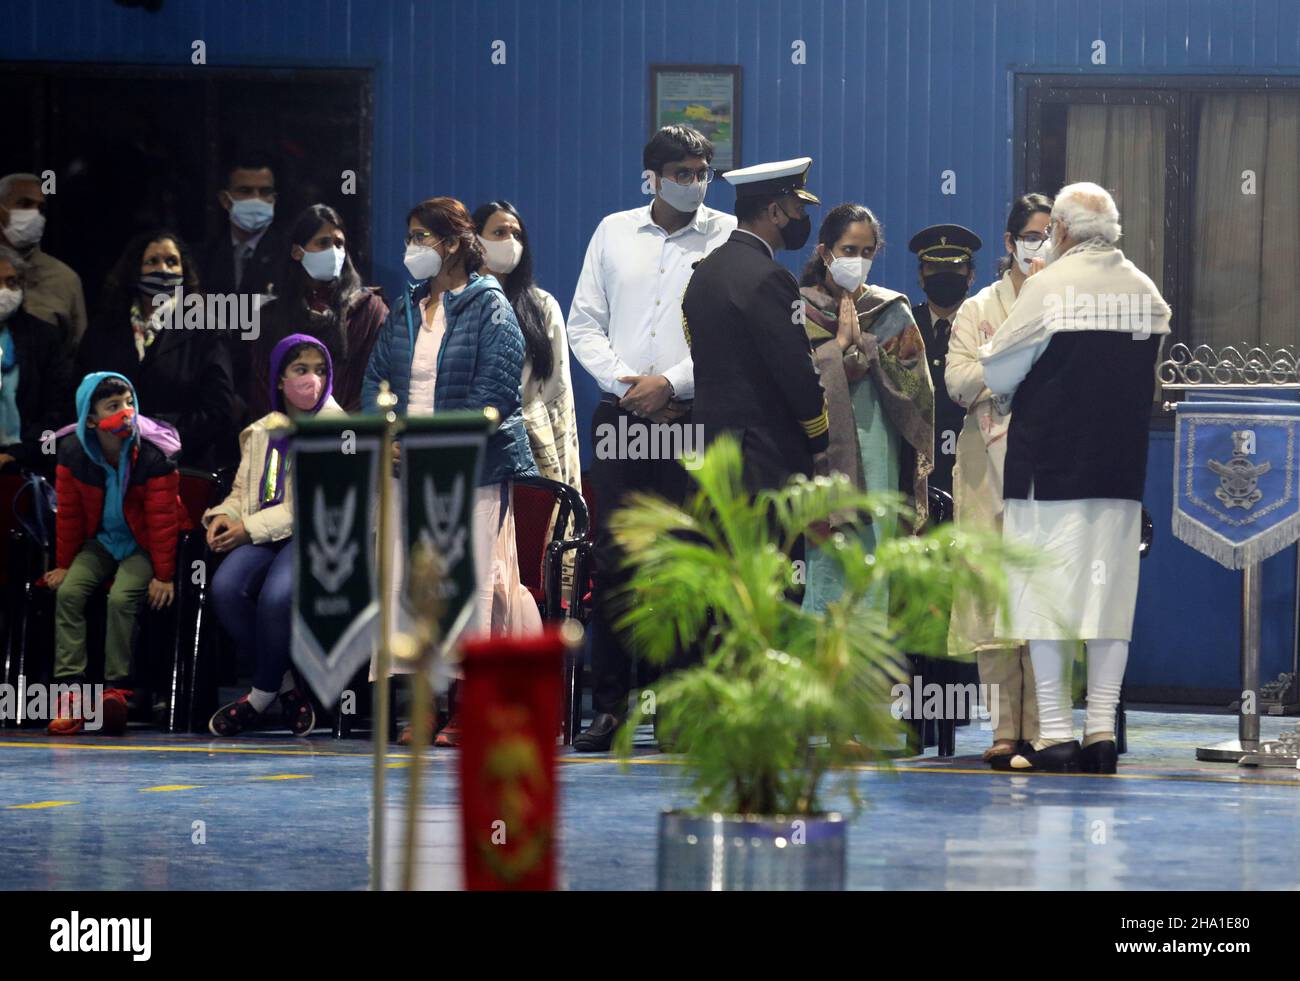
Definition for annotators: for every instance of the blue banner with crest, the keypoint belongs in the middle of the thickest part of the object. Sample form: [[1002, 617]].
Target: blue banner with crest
[[1237, 479]]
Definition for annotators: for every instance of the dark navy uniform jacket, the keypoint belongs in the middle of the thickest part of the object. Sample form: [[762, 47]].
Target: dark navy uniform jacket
[[948, 415], [754, 371]]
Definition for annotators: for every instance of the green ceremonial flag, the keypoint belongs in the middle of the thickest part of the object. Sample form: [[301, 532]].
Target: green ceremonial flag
[[442, 457], [334, 463]]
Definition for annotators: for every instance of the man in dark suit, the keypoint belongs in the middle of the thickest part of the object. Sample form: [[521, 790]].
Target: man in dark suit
[[754, 371], [947, 269], [245, 256]]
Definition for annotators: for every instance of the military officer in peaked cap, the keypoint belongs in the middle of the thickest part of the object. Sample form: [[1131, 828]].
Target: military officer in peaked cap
[[946, 254], [754, 371]]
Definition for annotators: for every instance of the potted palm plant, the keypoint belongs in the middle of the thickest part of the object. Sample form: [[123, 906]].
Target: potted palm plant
[[781, 697]]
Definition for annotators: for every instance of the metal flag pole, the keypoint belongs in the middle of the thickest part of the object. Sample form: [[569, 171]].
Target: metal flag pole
[[381, 710], [420, 651]]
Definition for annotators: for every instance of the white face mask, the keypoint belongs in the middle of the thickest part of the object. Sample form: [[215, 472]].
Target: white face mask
[[324, 266], [685, 198], [1025, 255], [422, 261], [850, 272], [503, 254], [25, 228], [10, 301]]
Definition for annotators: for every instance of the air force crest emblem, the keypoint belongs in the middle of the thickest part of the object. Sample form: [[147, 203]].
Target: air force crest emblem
[[1238, 477], [446, 528], [333, 553]]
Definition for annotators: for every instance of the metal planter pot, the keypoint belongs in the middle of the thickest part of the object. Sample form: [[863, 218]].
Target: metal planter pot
[[744, 852]]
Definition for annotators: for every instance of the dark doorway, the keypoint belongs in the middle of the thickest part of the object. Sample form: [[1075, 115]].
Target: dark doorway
[[135, 147]]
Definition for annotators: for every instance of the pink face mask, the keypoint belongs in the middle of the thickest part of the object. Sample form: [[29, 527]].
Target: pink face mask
[[303, 391]]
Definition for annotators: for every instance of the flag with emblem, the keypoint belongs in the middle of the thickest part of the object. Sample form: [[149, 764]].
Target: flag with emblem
[[334, 463], [442, 457], [1237, 479]]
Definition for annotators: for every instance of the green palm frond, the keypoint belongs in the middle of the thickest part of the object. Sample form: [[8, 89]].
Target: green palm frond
[[781, 695]]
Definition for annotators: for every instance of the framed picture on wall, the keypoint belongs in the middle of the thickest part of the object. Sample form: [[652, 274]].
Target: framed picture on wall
[[706, 97]]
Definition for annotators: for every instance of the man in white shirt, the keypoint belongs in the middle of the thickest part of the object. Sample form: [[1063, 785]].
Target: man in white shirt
[[625, 329]]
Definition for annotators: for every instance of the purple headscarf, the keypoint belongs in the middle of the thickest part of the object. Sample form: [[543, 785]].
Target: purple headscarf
[[271, 486]]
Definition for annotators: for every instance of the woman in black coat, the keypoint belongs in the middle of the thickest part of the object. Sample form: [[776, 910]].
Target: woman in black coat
[[179, 366]]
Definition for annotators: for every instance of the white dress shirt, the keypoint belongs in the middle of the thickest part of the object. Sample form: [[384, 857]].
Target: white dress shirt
[[626, 317]]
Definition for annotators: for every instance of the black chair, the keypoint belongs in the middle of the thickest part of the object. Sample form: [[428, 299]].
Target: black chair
[[542, 548], [174, 641]]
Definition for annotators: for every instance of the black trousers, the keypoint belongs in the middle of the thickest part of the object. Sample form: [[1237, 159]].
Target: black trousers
[[613, 480]]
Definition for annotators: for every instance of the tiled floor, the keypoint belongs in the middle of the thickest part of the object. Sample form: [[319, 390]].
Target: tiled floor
[[271, 812]]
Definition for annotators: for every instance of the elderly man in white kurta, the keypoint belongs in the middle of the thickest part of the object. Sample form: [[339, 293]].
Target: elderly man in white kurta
[[1004, 665], [1075, 359]]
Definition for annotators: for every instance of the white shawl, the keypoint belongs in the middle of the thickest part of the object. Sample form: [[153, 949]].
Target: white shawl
[[1090, 287]]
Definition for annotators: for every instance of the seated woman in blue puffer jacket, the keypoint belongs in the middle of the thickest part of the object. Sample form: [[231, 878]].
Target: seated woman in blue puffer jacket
[[452, 342]]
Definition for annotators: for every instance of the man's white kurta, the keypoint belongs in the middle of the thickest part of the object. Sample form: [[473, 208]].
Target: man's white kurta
[[1084, 586]]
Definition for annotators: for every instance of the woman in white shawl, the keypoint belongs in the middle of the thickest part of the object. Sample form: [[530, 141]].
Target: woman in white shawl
[[546, 385], [1004, 666]]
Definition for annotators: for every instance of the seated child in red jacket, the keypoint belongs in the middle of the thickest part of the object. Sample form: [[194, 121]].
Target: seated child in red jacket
[[119, 515]]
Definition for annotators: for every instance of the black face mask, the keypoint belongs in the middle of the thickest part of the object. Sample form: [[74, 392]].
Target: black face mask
[[946, 289], [159, 282], [795, 234]]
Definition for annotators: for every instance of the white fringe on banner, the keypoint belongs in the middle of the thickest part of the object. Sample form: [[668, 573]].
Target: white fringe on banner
[[1228, 554]]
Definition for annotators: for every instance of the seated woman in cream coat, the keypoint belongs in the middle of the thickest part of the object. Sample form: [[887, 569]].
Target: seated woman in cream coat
[[252, 590], [977, 476]]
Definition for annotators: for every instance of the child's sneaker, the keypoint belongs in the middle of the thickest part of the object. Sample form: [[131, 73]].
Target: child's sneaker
[[232, 719], [298, 712], [114, 711], [449, 737], [67, 719]]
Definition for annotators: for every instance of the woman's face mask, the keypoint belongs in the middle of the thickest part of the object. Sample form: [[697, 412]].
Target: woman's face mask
[[503, 255], [324, 266], [850, 272], [303, 391], [422, 261]]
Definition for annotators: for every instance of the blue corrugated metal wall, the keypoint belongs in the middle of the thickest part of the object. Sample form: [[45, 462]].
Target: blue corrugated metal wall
[[893, 93]]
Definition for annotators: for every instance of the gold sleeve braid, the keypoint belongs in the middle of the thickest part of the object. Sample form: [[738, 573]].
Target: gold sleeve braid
[[817, 425]]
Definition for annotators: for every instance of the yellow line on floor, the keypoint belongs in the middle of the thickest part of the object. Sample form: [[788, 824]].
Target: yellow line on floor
[[635, 761], [231, 750], [287, 776], [169, 787], [40, 804]]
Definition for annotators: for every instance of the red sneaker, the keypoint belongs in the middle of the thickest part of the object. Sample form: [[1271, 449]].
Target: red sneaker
[[67, 719], [114, 710], [449, 737]]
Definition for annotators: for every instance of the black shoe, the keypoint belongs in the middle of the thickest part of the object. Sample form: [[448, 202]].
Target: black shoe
[[1102, 757], [599, 736], [1060, 758], [232, 719], [298, 713]]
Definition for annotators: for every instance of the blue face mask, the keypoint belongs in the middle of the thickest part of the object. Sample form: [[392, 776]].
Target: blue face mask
[[252, 214], [323, 266]]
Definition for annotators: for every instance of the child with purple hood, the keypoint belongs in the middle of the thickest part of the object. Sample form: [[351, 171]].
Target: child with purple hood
[[252, 590]]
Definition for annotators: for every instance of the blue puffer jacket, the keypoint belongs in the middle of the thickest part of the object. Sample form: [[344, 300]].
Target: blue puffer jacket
[[479, 364]]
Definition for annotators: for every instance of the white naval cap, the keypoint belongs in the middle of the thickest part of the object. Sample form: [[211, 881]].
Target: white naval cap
[[773, 179]]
